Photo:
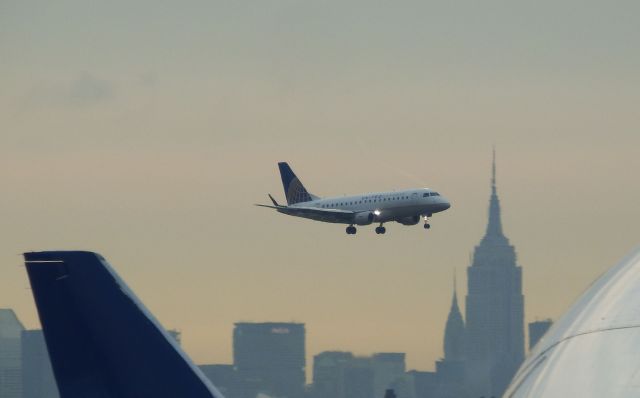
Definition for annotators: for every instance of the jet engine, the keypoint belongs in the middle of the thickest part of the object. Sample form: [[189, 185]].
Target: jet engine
[[411, 220], [363, 218]]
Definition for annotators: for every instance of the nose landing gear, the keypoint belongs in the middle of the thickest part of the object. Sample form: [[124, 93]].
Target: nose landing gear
[[426, 222]]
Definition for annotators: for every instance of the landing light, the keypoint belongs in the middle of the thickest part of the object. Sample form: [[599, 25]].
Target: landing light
[[376, 212]]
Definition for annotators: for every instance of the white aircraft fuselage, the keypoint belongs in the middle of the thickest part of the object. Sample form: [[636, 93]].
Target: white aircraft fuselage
[[401, 206], [406, 207]]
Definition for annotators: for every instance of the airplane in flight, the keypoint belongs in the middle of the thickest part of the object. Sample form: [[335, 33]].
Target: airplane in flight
[[405, 207]]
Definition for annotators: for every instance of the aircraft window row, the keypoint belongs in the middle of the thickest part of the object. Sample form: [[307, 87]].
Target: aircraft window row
[[329, 205]]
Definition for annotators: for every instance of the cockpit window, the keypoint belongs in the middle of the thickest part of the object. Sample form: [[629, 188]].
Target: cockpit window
[[424, 195], [435, 194]]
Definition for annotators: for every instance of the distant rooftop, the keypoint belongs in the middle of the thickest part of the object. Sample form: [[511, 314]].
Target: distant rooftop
[[10, 325]]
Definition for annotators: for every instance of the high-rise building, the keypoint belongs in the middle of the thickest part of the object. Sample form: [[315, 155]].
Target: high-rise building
[[37, 374], [450, 371], [224, 377], [388, 371], [537, 329], [328, 373], [494, 309], [450, 379], [454, 337], [271, 357], [338, 374], [424, 383], [404, 386], [10, 355], [358, 379]]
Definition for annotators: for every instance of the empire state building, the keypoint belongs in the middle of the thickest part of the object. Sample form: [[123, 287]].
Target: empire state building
[[494, 309]]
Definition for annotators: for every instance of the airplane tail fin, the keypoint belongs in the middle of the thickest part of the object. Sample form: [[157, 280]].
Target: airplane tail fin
[[102, 341], [294, 191]]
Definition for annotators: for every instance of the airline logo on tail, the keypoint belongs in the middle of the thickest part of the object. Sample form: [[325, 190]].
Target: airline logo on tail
[[294, 191]]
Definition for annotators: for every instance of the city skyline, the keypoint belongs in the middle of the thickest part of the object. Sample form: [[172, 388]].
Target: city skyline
[[264, 354], [269, 358], [147, 131], [493, 227], [479, 357]]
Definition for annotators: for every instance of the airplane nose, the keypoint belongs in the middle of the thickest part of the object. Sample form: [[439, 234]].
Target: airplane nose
[[445, 204]]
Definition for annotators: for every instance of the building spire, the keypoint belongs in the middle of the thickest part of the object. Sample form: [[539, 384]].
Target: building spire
[[455, 290], [454, 329], [493, 170], [494, 227]]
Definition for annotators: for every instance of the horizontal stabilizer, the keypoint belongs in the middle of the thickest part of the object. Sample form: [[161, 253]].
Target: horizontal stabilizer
[[274, 201]]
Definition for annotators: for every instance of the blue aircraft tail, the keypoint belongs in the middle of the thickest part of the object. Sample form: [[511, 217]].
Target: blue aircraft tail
[[294, 191], [102, 341]]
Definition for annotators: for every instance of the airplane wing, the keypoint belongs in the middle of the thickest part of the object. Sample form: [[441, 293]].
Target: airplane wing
[[314, 213], [101, 339]]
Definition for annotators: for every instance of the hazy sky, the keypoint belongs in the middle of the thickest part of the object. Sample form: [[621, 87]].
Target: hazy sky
[[146, 131]]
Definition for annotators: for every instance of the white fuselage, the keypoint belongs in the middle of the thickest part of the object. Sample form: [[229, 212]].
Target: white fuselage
[[405, 207], [388, 206]]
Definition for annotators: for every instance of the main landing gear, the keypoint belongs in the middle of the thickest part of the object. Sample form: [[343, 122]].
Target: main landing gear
[[351, 230], [426, 222]]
